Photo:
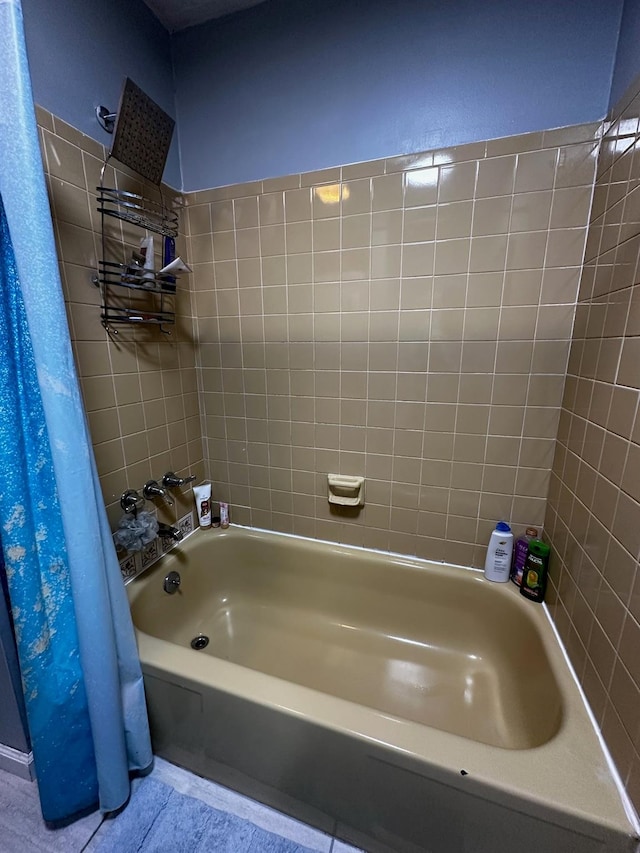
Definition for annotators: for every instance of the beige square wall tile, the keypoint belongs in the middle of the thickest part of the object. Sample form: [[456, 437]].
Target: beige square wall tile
[[522, 287], [421, 187], [387, 192], [457, 182], [526, 250], [491, 216], [531, 211], [570, 207], [495, 177], [449, 291], [452, 256], [356, 197], [565, 247], [488, 254], [356, 231], [536, 170], [297, 205], [454, 220], [576, 165]]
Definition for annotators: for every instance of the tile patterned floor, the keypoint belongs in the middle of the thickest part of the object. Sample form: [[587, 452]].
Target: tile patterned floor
[[22, 829]]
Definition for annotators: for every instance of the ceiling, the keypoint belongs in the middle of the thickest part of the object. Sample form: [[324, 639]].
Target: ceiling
[[180, 14]]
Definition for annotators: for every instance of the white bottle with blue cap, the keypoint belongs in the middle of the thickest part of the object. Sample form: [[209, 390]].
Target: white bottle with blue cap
[[497, 566]]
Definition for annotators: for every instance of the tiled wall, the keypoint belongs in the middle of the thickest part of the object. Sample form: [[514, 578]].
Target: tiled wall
[[593, 520], [407, 320], [140, 390]]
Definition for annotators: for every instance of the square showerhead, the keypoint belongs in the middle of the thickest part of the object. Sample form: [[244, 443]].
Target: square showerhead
[[142, 134]]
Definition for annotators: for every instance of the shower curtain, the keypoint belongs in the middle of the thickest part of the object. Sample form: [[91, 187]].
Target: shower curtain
[[80, 669]]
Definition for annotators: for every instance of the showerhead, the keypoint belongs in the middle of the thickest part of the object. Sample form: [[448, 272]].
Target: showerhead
[[142, 133]]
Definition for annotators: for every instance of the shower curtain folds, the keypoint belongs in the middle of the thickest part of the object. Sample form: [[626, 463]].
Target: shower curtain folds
[[75, 636]]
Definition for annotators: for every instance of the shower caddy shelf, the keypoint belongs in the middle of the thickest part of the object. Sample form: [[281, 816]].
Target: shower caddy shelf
[[150, 215]]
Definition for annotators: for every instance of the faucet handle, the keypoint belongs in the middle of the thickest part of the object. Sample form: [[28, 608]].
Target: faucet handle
[[131, 501], [172, 481], [152, 489]]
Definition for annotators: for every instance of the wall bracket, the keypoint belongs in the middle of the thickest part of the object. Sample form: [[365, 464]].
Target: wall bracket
[[106, 119]]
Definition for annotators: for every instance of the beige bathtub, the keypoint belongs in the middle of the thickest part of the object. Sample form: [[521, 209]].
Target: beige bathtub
[[402, 705]]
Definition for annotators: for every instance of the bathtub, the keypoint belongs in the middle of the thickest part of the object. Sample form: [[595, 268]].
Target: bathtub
[[399, 704]]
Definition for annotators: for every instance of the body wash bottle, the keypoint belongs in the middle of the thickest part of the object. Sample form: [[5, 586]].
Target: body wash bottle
[[202, 497], [534, 578], [497, 566], [520, 551]]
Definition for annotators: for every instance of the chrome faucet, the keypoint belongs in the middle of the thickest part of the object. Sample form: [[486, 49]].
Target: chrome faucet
[[152, 489], [165, 531], [172, 481], [131, 502]]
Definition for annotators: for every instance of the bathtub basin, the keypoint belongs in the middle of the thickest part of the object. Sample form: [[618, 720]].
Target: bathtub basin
[[400, 704]]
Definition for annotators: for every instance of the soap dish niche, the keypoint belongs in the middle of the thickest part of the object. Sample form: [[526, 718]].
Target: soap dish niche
[[345, 490]]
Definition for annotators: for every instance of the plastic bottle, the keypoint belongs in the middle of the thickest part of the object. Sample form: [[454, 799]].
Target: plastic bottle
[[224, 515], [534, 578], [498, 563], [168, 255], [202, 497], [520, 551], [146, 250]]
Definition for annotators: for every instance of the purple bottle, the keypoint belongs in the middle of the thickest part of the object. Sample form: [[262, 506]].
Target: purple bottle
[[520, 551]]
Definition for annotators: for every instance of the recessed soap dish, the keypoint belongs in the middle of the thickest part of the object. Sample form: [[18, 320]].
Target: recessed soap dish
[[345, 490]]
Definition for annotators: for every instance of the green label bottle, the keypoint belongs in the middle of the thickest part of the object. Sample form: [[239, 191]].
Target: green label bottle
[[534, 576]]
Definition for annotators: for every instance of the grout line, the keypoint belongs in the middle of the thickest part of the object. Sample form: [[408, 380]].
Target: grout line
[[87, 844]]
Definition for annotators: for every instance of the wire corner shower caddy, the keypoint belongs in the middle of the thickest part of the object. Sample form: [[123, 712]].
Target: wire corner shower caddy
[[132, 292]]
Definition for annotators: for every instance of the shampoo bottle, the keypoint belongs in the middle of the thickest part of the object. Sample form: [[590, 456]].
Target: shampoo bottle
[[534, 578], [168, 255], [520, 551], [498, 563]]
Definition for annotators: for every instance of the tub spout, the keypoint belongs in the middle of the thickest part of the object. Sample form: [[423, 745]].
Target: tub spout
[[165, 531]]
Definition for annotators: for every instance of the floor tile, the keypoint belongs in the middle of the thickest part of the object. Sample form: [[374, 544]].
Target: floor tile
[[22, 828], [227, 800]]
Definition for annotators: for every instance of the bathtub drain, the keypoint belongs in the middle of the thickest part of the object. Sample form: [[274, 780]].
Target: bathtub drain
[[200, 642]]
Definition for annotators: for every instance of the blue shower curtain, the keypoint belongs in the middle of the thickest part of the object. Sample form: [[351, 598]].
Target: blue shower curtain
[[81, 674]]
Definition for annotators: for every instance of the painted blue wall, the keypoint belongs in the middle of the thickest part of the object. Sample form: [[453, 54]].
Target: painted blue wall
[[13, 718], [291, 86], [80, 51], [628, 57]]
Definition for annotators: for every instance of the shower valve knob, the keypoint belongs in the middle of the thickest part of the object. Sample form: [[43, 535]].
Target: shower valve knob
[[131, 501], [153, 490], [172, 481]]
